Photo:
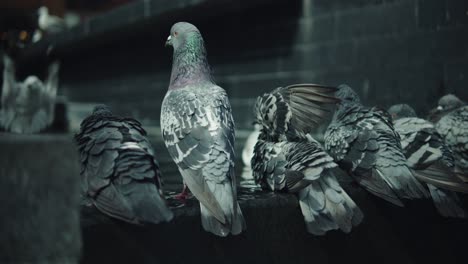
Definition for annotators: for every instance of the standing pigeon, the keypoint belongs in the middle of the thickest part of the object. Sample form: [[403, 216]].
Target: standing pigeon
[[287, 160], [28, 106], [120, 175], [453, 126], [47, 24], [363, 142], [430, 159], [198, 131]]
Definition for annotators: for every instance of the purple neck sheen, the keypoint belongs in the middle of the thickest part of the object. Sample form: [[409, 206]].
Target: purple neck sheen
[[190, 65]]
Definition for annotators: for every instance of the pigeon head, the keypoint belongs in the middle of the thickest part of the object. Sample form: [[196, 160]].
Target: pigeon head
[[347, 94], [446, 104], [401, 110], [189, 63], [33, 83], [102, 109], [182, 32], [449, 102], [43, 10]]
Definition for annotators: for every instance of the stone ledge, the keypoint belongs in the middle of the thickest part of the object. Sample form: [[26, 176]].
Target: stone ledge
[[43, 214], [39, 194], [276, 234]]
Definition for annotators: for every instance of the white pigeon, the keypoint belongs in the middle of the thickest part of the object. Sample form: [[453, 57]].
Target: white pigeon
[[28, 106], [47, 24]]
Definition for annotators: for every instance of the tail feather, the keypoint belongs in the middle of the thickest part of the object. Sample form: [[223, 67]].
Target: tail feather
[[461, 174], [147, 203], [402, 182], [375, 183], [227, 199], [326, 206], [441, 177], [447, 202], [136, 202]]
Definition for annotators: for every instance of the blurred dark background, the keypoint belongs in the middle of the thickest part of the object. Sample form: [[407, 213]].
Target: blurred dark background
[[391, 51]]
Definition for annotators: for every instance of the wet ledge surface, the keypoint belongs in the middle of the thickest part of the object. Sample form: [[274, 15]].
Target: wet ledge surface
[[276, 234]]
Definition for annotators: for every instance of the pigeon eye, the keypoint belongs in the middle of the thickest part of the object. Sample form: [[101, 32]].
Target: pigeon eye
[[175, 34]]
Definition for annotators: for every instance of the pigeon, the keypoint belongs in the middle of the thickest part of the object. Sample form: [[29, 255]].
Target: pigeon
[[453, 126], [288, 159], [28, 106], [294, 111], [364, 143], [198, 131], [119, 172], [430, 159], [304, 168], [47, 24]]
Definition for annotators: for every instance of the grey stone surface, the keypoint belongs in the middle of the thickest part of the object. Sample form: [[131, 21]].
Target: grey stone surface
[[39, 198]]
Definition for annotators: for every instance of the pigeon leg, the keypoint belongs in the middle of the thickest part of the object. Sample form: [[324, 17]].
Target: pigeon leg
[[184, 194]]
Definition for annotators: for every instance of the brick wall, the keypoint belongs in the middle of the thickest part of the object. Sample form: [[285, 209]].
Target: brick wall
[[391, 51]]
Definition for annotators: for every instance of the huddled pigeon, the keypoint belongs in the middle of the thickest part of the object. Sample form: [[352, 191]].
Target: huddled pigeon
[[287, 159], [430, 159], [198, 130], [28, 106], [119, 172], [453, 126], [364, 143]]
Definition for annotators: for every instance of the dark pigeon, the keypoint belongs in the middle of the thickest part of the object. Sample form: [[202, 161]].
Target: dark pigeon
[[120, 174], [198, 131], [302, 167], [363, 142], [453, 126], [430, 159]]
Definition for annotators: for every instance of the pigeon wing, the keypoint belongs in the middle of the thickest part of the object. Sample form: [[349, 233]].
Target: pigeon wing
[[198, 130]]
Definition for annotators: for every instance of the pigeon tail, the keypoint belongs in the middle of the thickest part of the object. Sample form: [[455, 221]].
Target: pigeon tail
[[226, 198], [447, 202], [147, 203], [402, 182], [136, 202], [326, 206]]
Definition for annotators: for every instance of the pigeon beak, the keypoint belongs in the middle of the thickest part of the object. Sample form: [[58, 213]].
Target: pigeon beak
[[169, 41], [440, 108]]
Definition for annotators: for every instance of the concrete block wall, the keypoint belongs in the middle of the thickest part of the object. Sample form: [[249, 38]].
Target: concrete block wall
[[391, 51]]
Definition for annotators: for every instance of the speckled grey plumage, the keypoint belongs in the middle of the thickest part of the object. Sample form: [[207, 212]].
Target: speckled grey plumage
[[431, 160], [287, 159], [120, 174], [297, 109], [27, 106], [303, 167], [363, 142], [454, 129], [198, 131]]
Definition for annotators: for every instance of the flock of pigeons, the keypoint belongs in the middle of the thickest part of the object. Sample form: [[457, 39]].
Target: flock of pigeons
[[393, 155]]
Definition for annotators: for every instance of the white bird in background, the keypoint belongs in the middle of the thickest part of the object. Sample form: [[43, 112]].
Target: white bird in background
[[28, 106], [47, 24]]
